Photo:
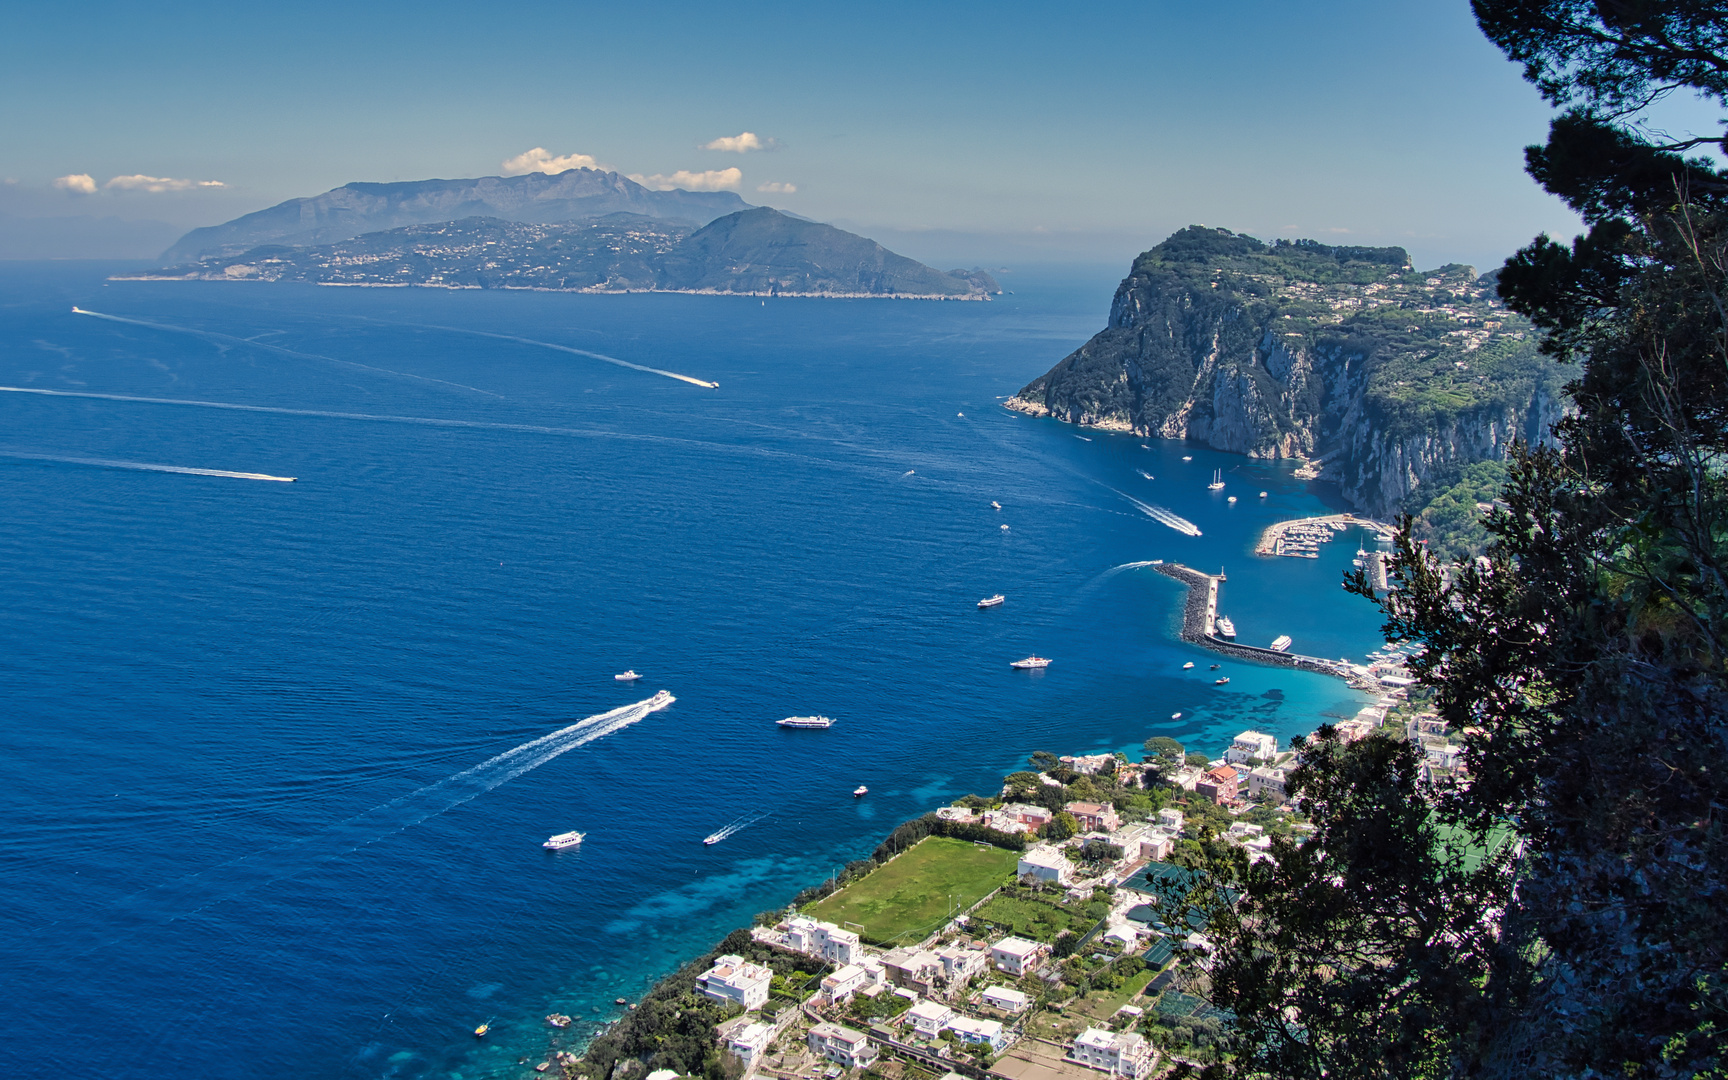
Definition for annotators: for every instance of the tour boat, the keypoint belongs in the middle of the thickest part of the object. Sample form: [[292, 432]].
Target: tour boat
[[563, 840], [860, 791], [628, 676], [1217, 483], [1281, 643], [993, 601], [1030, 662], [806, 722]]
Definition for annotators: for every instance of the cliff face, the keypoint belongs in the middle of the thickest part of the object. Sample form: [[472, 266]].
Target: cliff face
[[1346, 357]]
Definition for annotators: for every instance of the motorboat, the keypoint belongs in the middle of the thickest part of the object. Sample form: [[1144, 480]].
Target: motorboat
[[1175, 716], [1221, 682], [1030, 663], [1187, 457], [1231, 499], [860, 791], [1146, 474], [993, 601], [994, 505], [1262, 494], [480, 1032], [1004, 528], [806, 722], [1143, 446], [1188, 665], [627, 676], [1082, 438], [1215, 667], [564, 840]]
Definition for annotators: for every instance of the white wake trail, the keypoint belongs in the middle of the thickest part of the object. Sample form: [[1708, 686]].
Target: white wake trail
[[106, 463], [230, 339], [1163, 516], [692, 380]]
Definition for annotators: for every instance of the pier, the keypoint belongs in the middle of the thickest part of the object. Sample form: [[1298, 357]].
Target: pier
[[1200, 614], [1299, 537]]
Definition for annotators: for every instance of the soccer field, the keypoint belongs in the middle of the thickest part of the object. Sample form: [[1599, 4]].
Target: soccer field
[[916, 892]]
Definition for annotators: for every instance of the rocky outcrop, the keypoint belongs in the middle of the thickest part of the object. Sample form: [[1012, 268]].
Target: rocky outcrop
[[1347, 357]]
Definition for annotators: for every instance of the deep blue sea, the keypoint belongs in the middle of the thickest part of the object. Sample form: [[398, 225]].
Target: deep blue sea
[[267, 800]]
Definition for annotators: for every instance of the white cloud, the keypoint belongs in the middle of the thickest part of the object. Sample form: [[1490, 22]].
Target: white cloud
[[776, 187], [541, 160], [77, 183], [742, 143], [708, 180], [158, 184]]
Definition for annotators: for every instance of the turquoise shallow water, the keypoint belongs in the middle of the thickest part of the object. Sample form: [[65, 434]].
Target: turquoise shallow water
[[269, 798]]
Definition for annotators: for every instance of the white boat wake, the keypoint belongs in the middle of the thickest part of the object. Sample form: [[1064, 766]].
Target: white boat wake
[[185, 896], [1163, 516], [742, 822], [105, 463], [692, 380]]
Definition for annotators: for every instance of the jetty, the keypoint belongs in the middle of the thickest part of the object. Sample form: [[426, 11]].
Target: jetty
[[1200, 616], [1300, 538]]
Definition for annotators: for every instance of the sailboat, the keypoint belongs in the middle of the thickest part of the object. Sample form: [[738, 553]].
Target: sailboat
[[1217, 483]]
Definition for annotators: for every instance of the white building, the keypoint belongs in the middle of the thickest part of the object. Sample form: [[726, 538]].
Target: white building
[[1006, 998], [960, 964], [1046, 863], [1251, 744], [846, 981], [970, 1030], [731, 979], [1090, 764], [823, 939], [1127, 1054], [928, 1018], [1016, 956], [954, 813], [750, 1042], [844, 1047], [1003, 822], [1268, 782], [1170, 819]]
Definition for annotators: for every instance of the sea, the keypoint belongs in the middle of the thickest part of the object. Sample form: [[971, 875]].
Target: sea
[[277, 758]]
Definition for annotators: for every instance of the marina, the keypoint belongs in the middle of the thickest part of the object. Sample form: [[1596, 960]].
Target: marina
[[1302, 537]]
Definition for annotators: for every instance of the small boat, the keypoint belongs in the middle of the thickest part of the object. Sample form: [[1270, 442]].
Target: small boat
[[960, 414], [1186, 457], [860, 791], [714, 838], [994, 505], [1188, 665], [1221, 682], [1004, 528], [1281, 643], [480, 1032], [1215, 667], [564, 840], [620, 1001], [627, 676], [1146, 474], [1231, 499], [1262, 494], [1030, 663], [1082, 438], [993, 601], [1217, 483], [806, 722], [1175, 716], [1143, 446]]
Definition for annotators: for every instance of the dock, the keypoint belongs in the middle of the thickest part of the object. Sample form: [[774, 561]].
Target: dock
[[1199, 616], [1300, 538]]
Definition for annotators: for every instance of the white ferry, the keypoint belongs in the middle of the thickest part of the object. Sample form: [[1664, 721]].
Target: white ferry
[[628, 676], [1226, 628], [806, 722], [1281, 643], [1030, 663], [563, 840], [993, 601]]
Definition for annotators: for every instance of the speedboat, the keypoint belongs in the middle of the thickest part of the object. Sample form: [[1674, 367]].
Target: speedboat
[[628, 676], [1188, 665], [1004, 528], [993, 601], [1231, 499], [806, 722], [563, 840], [994, 505], [860, 791], [1186, 457], [480, 1032], [1175, 716], [1146, 474], [1030, 663], [714, 838]]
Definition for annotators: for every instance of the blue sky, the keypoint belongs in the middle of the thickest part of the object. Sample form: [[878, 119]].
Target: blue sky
[[957, 133]]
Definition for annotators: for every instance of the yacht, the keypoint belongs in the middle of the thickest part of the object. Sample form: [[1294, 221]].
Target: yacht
[[993, 601], [563, 840], [1281, 643], [627, 676], [806, 722], [1226, 628], [1030, 663], [860, 791], [660, 700], [1188, 665], [1217, 483]]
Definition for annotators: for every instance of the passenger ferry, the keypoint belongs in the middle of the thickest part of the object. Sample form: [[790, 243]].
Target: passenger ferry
[[1281, 643], [806, 722], [1030, 663], [564, 840], [993, 601]]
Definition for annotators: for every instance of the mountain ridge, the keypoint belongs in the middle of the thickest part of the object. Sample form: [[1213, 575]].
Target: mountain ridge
[[362, 207]]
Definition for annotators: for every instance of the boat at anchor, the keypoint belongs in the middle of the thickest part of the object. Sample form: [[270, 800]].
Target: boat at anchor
[[806, 722], [1030, 663], [564, 840], [993, 601]]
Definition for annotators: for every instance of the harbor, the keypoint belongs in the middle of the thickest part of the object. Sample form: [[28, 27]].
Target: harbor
[[1301, 538]]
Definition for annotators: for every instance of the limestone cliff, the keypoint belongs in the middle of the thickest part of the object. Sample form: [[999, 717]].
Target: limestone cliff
[[1381, 376]]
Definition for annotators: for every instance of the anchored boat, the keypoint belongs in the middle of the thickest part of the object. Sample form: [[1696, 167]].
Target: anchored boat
[[564, 840], [806, 722], [628, 676], [1030, 663], [1281, 643], [993, 601]]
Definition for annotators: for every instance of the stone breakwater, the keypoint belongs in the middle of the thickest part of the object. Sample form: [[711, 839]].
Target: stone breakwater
[[1200, 611]]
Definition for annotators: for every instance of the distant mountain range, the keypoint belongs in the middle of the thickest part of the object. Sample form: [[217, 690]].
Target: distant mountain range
[[754, 251], [354, 209]]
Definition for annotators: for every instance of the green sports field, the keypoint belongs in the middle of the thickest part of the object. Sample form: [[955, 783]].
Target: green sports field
[[914, 894]]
